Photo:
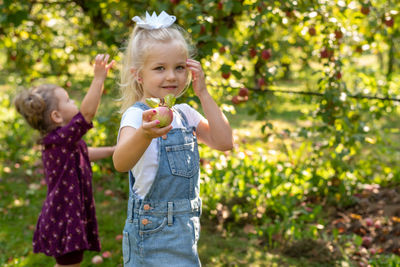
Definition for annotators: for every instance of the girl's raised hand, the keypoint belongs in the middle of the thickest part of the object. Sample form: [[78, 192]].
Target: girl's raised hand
[[101, 65], [150, 128], [198, 79]]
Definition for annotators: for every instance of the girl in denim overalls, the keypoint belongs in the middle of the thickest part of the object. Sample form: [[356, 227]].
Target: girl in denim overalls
[[162, 226]]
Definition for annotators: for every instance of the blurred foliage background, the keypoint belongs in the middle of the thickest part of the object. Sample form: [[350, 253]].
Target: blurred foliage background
[[318, 125]]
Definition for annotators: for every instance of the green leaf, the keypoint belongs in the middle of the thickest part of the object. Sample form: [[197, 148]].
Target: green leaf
[[153, 102], [170, 100]]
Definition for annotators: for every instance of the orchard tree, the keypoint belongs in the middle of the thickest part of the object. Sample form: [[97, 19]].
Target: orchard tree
[[249, 44]]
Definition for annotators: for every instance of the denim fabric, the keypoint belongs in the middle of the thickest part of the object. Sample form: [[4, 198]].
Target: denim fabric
[[163, 228]]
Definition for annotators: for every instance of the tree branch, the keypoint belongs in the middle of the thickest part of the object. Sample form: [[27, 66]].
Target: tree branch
[[357, 96]]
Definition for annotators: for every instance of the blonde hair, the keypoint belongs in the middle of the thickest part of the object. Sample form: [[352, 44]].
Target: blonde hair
[[139, 45], [36, 104]]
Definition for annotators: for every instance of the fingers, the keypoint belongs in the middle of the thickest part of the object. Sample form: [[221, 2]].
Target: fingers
[[164, 130], [195, 67], [148, 114], [152, 130], [106, 58], [192, 61], [109, 66], [99, 58], [150, 124], [102, 59]]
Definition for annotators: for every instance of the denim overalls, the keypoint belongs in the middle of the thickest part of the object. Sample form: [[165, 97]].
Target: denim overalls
[[163, 228]]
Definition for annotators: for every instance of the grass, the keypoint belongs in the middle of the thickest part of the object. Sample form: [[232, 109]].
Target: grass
[[22, 199]]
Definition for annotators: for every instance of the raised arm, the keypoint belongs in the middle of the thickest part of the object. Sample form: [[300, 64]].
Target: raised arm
[[92, 98], [132, 143], [215, 131]]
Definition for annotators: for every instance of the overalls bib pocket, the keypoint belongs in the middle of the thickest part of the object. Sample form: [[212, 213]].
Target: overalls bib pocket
[[183, 159]]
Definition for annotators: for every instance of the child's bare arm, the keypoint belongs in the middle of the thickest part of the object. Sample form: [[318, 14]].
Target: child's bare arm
[[215, 131], [97, 153], [132, 143], [92, 98]]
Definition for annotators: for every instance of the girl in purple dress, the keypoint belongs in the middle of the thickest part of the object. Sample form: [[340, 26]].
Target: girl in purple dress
[[67, 224]]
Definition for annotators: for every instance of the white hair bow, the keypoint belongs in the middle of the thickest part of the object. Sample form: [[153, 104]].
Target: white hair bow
[[155, 22]]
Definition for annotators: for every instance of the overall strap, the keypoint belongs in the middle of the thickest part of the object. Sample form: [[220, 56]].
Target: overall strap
[[183, 116], [141, 105]]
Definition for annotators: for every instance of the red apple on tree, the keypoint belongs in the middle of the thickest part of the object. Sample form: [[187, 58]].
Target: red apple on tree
[[243, 92], [326, 53], [226, 75], [289, 13], [261, 82], [389, 21], [235, 100], [202, 29], [253, 52], [312, 31], [338, 34], [365, 9], [163, 109], [222, 50], [220, 5], [225, 71], [261, 7], [175, 2], [266, 54]]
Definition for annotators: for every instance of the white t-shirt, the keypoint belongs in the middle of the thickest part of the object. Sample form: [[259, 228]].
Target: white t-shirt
[[146, 168]]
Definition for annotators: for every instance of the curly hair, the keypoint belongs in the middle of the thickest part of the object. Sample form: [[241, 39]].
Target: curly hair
[[36, 105]]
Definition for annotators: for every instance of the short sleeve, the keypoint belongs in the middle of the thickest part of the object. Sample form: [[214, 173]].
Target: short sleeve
[[70, 133], [132, 117]]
